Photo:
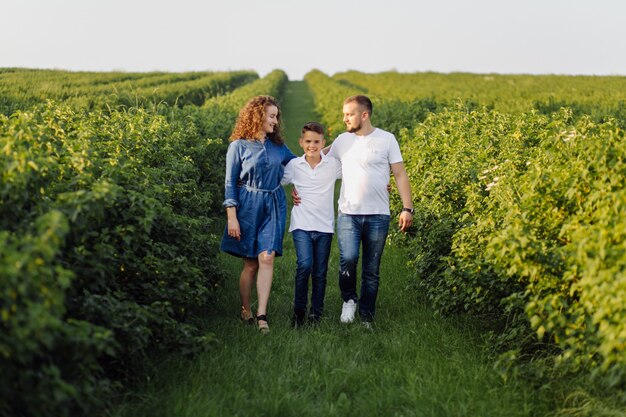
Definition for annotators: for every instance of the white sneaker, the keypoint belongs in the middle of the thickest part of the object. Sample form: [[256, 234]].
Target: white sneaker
[[347, 311]]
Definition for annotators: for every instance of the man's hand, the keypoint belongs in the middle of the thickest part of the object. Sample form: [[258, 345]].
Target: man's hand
[[405, 221], [295, 197]]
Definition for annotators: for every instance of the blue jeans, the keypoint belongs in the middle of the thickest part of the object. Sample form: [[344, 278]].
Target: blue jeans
[[312, 251], [352, 231]]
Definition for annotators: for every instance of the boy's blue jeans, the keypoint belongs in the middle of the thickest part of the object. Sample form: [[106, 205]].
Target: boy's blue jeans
[[352, 231], [312, 251]]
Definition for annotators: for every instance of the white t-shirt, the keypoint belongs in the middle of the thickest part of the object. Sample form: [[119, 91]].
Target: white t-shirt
[[316, 187], [365, 162]]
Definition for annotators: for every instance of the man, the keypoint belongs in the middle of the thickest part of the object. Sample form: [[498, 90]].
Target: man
[[366, 154]]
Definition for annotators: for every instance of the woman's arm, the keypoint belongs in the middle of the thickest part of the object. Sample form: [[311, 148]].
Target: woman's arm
[[231, 194], [233, 170], [288, 174], [287, 155], [233, 223]]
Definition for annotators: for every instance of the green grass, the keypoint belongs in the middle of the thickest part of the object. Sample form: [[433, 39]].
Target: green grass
[[412, 363]]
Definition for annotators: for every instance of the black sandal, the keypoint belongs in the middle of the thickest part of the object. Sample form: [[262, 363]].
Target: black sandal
[[263, 328]]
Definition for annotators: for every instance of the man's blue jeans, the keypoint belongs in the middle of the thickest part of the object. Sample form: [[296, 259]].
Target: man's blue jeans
[[352, 231], [312, 251]]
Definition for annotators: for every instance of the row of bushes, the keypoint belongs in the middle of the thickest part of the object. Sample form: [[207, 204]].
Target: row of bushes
[[216, 117], [108, 248], [328, 96], [21, 90], [512, 93], [519, 218], [392, 114], [106, 225]]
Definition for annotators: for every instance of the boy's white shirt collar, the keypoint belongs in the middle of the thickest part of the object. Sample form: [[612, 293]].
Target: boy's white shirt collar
[[303, 158]]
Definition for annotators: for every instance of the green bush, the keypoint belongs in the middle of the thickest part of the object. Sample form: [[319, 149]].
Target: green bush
[[121, 255], [329, 95], [49, 362], [520, 218]]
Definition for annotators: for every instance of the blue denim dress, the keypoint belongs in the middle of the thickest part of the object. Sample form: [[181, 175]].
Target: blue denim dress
[[252, 184]]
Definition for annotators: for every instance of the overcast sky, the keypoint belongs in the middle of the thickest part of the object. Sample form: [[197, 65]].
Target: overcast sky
[[529, 36]]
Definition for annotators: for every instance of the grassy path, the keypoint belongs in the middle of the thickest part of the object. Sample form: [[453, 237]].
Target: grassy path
[[411, 364]]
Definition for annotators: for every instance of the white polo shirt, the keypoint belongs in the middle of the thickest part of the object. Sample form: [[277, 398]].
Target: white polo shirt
[[365, 162], [316, 187]]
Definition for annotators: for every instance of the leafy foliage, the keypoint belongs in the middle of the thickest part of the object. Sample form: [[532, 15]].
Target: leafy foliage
[[106, 225], [22, 89], [519, 218], [599, 97]]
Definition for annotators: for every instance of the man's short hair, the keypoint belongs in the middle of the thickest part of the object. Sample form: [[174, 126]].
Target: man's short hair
[[313, 127], [363, 101]]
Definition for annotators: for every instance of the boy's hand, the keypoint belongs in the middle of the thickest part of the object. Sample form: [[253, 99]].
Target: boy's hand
[[405, 221], [295, 197]]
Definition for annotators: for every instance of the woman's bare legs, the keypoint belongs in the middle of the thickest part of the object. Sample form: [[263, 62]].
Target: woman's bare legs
[[264, 281], [246, 280]]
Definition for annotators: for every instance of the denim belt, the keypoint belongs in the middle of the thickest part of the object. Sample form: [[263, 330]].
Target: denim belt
[[250, 188]]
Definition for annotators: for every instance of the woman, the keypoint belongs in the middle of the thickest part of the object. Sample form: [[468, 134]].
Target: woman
[[254, 201]]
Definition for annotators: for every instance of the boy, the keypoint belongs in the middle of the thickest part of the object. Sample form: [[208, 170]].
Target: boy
[[312, 221]]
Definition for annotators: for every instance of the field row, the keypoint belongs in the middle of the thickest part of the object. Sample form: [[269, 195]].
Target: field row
[[596, 96], [21, 89]]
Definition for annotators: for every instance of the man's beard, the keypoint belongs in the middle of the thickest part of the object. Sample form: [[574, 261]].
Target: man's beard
[[354, 129]]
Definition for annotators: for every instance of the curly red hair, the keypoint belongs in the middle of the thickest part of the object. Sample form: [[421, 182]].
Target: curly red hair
[[251, 117]]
